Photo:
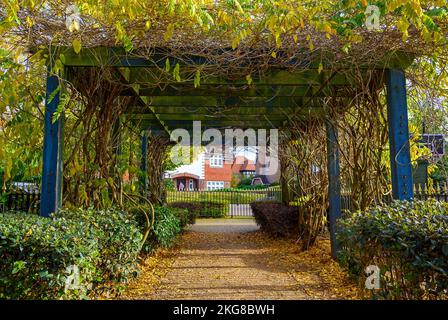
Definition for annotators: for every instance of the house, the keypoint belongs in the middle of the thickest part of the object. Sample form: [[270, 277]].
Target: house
[[212, 171], [263, 175], [243, 167]]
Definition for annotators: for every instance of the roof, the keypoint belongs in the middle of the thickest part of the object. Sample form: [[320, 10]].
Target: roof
[[263, 178], [185, 175], [241, 163]]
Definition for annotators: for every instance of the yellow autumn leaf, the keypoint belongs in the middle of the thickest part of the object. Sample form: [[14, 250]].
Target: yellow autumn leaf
[[77, 45], [169, 32], [311, 45], [321, 67], [249, 79], [238, 6]]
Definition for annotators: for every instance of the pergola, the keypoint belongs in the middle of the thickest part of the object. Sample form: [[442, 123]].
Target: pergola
[[228, 102]]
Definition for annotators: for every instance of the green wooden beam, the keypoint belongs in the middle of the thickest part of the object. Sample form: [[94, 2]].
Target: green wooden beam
[[241, 91], [205, 117], [188, 124], [274, 77], [142, 101], [215, 111], [228, 102], [118, 57]]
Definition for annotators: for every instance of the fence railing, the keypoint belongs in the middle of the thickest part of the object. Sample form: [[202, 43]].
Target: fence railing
[[438, 192], [236, 202], [18, 200]]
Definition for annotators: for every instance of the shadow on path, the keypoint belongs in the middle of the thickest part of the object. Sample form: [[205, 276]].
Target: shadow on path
[[231, 259]]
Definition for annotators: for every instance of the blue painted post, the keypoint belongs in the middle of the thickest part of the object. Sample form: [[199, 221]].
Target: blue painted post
[[144, 165], [334, 184], [397, 115], [51, 189]]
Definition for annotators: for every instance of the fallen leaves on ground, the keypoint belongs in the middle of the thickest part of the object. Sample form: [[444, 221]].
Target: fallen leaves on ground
[[313, 273], [314, 270], [153, 268]]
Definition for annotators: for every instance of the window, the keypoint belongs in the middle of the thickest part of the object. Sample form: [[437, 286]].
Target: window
[[215, 185], [248, 173], [190, 185], [216, 160]]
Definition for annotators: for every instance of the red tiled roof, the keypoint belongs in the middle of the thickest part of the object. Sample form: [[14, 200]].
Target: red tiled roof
[[242, 164], [184, 175]]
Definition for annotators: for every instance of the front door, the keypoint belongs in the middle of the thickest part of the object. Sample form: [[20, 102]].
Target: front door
[[182, 184]]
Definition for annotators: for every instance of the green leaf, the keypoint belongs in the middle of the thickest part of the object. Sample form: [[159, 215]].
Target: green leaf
[[77, 46], [62, 58], [169, 32], [197, 79], [249, 79], [53, 94], [176, 74], [238, 6], [321, 67], [167, 65], [18, 265], [127, 44]]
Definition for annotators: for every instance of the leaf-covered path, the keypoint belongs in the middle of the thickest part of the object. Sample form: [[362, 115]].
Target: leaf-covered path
[[245, 264]]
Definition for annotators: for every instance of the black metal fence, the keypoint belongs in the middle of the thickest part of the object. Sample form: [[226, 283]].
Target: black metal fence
[[438, 192], [236, 202], [18, 200]]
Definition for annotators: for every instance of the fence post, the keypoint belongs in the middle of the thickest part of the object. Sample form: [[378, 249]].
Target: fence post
[[397, 118], [334, 184], [144, 164], [51, 194]]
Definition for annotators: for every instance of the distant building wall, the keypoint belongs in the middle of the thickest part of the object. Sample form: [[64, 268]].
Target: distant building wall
[[223, 173]]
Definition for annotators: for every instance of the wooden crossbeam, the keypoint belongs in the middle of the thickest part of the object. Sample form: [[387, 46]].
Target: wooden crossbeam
[[206, 117], [188, 124], [216, 111], [241, 91], [142, 101], [270, 78], [118, 57]]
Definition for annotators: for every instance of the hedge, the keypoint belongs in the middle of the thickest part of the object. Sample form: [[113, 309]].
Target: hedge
[[276, 218], [166, 227], [39, 255], [185, 217], [168, 224], [408, 241], [202, 209]]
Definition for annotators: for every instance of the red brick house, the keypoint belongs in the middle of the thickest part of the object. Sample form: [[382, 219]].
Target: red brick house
[[211, 172]]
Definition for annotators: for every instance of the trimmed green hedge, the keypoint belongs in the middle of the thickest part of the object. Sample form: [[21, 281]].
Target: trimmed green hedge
[[184, 216], [202, 209], [408, 241], [276, 218], [40, 255], [166, 227]]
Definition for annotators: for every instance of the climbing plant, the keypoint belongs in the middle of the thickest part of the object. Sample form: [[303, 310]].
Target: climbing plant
[[235, 39]]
